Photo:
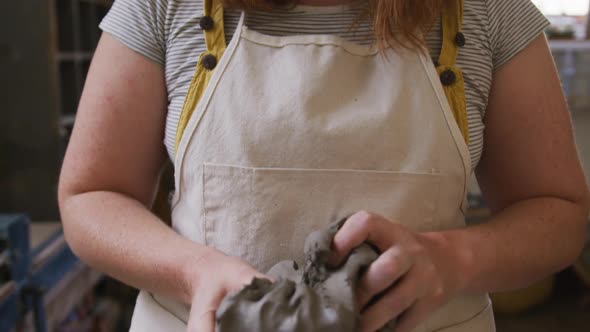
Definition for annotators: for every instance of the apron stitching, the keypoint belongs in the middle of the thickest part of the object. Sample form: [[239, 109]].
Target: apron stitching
[[229, 52], [203, 209], [253, 212], [437, 222], [202, 104], [466, 320], [434, 173], [327, 40], [460, 144]]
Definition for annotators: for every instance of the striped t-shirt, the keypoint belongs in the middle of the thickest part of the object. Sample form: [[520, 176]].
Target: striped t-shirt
[[168, 32]]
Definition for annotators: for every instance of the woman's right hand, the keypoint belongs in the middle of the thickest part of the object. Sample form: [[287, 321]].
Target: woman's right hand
[[219, 276]]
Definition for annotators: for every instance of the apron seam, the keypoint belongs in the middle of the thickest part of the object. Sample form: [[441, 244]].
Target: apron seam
[[306, 40], [192, 125], [327, 170], [203, 210], [460, 144], [444, 105], [479, 312]]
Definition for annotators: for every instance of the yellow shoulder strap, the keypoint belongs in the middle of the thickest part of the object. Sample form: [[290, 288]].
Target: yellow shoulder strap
[[212, 25], [451, 77]]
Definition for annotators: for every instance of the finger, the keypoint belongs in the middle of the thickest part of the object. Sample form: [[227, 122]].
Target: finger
[[204, 321], [382, 273], [391, 305], [243, 276], [246, 279], [414, 316], [202, 314], [359, 228]]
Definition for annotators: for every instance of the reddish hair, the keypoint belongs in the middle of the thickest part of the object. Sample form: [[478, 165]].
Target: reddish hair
[[395, 22]]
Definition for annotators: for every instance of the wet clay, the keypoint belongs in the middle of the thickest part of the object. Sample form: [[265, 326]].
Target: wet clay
[[316, 297]]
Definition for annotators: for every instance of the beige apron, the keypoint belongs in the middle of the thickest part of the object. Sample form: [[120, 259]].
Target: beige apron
[[291, 133]]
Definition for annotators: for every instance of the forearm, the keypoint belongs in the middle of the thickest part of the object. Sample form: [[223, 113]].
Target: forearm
[[119, 236], [517, 246]]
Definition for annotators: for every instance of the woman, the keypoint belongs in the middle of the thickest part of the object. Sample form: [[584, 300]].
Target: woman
[[298, 114]]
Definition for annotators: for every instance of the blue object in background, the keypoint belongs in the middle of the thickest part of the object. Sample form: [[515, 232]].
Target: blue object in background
[[27, 287]]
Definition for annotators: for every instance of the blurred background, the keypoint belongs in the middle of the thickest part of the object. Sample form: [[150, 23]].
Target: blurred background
[[45, 51]]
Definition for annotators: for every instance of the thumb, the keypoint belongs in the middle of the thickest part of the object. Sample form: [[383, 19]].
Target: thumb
[[202, 314]]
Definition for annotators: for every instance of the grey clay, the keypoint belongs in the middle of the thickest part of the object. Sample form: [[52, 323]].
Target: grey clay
[[316, 297]]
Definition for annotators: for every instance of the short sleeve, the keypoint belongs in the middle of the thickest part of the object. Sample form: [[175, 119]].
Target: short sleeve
[[512, 25], [140, 25]]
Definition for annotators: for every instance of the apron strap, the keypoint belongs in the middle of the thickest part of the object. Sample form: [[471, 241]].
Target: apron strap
[[213, 27], [451, 76]]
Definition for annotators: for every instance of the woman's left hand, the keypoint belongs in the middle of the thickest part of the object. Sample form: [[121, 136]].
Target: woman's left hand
[[415, 274]]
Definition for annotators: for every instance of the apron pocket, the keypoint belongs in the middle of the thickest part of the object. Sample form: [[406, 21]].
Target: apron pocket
[[263, 215]]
